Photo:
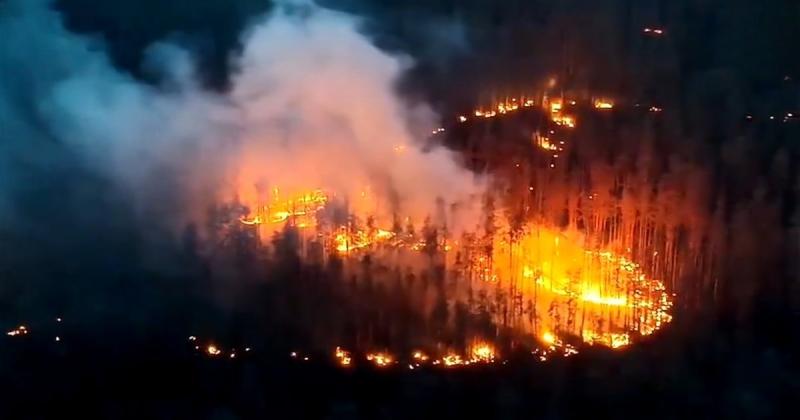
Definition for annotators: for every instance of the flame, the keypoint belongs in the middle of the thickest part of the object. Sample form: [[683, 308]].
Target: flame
[[565, 281], [573, 292], [596, 296], [452, 360], [564, 120], [603, 104], [420, 356], [544, 143], [300, 207], [554, 106], [21, 330], [483, 352], [349, 240], [613, 340], [343, 357], [380, 359]]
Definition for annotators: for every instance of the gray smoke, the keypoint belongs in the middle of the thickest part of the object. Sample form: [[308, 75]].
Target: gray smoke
[[312, 105]]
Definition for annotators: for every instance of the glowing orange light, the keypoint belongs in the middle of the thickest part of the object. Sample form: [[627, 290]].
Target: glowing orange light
[[544, 143], [452, 360], [21, 330], [603, 104], [380, 359], [342, 356], [483, 352]]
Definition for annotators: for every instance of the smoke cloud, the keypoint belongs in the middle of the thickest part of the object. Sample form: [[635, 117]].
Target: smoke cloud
[[312, 104]]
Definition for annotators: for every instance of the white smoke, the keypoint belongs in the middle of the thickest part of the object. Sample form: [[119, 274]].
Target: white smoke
[[312, 104]]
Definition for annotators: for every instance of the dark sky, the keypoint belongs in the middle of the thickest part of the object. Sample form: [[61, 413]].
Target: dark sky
[[501, 46]]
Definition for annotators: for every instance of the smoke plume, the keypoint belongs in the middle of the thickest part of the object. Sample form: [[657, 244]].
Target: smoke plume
[[312, 104]]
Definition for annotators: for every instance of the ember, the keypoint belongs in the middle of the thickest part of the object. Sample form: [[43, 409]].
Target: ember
[[343, 356], [21, 330], [380, 359], [483, 352], [603, 104]]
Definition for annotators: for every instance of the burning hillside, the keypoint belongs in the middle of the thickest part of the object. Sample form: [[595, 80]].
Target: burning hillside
[[283, 209], [311, 155], [528, 279], [534, 282]]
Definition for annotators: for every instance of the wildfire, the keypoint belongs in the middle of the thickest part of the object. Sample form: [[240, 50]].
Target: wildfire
[[564, 120], [343, 357], [593, 296], [501, 108], [603, 104], [349, 240], [21, 330], [483, 352], [380, 359], [551, 286], [420, 356], [555, 106], [479, 352], [300, 208], [570, 289], [598, 297], [545, 143], [451, 360], [209, 348], [613, 340]]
